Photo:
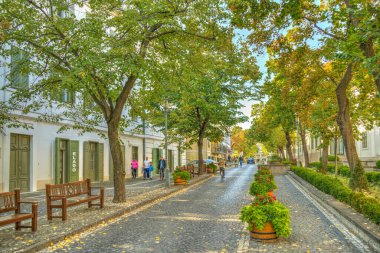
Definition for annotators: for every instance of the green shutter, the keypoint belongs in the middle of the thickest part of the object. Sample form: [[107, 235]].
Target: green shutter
[[73, 161], [101, 162], [86, 159], [57, 174]]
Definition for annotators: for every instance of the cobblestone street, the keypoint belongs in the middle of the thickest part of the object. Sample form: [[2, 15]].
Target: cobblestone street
[[206, 219]]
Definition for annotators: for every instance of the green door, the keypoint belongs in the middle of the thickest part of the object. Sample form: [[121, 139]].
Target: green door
[[90, 163], [155, 158], [111, 173], [61, 161], [19, 170]]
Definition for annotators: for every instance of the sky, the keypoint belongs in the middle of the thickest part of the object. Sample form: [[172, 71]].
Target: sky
[[261, 60]]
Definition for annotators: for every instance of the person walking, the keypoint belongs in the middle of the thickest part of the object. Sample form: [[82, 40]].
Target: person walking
[[134, 167], [151, 168], [161, 167], [146, 168], [241, 161], [222, 168]]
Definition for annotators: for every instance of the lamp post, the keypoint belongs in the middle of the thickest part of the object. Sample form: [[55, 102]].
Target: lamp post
[[167, 183]]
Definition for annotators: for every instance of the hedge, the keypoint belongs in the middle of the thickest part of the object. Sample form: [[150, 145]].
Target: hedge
[[343, 170], [378, 164], [368, 206]]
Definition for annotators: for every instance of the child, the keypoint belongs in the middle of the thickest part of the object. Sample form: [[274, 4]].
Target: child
[[150, 174]]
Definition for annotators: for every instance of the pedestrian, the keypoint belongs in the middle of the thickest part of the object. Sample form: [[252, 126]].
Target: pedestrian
[[151, 168], [222, 168], [161, 167], [146, 168], [241, 161], [134, 167]]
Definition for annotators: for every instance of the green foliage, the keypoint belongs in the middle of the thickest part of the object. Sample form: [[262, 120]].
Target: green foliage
[[261, 188], [185, 175], [274, 158], [343, 170], [275, 212], [378, 164], [368, 206], [358, 179], [212, 166], [373, 177]]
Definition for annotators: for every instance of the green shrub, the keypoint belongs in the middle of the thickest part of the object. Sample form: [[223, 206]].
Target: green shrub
[[373, 177], [331, 158], [378, 164], [315, 165], [368, 206], [262, 186], [275, 158], [185, 175]]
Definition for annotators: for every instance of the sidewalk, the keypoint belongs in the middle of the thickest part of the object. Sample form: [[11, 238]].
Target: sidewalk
[[82, 218]]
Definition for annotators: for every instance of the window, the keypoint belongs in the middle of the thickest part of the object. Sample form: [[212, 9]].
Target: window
[[364, 140], [340, 147], [19, 76], [66, 97], [135, 153]]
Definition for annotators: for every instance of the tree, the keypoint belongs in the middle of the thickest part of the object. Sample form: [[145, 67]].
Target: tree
[[205, 96], [101, 54], [347, 29]]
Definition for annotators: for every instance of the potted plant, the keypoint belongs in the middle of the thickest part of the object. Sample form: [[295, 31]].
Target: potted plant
[[263, 185], [211, 168], [181, 177], [267, 218]]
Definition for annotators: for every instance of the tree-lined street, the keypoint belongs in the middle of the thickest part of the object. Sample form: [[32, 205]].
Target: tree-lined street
[[206, 219]]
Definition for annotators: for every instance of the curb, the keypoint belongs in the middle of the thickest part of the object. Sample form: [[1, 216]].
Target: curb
[[42, 245], [355, 221]]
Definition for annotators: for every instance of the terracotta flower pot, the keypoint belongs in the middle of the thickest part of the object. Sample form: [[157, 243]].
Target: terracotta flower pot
[[267, 234], [180, 181]]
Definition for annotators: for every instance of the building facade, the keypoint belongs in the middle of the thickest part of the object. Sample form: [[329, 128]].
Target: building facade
[[31, 158], [368, 148]]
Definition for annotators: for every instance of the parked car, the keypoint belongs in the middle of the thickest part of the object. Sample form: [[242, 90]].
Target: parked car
[[251, 160], [211, 161]]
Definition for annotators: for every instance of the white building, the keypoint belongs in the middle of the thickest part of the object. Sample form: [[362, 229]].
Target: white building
[[368, 148], [29, 159]]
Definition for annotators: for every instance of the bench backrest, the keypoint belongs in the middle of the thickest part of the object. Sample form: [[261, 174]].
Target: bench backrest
[[68, 189], [9, 201]]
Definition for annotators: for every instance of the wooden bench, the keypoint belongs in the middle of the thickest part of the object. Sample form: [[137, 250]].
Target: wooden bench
[[10, 201], [188, 168], [62, 196]]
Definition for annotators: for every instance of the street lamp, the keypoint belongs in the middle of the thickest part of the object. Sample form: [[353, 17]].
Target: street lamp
[[166, 145]]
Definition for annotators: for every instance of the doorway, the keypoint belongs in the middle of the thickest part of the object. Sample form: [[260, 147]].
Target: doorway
[[19, 169]]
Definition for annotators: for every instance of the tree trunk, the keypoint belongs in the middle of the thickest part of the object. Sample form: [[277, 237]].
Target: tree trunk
[[117, 159], [289, 146], [358, 179], [304, 145], [281, 150], [369, 52], [336, 155], [200, 155], [325, 157]]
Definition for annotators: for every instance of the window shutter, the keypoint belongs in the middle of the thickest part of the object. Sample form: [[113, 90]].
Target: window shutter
[[86, 159], [101, 161], [73, 161], [57, 174]]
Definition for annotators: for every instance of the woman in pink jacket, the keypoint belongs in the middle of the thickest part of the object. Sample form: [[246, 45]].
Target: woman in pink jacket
[[134, 166]]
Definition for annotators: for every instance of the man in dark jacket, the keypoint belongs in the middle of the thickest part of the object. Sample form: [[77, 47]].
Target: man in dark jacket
[[161, 167]]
